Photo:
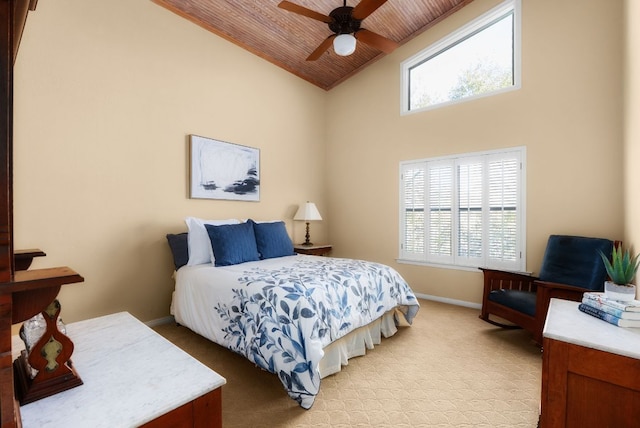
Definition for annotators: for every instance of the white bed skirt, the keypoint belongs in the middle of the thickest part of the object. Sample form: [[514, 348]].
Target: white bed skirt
[[356, 343]]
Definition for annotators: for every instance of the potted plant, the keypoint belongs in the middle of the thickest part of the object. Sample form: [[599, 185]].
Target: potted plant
[[621, 270]]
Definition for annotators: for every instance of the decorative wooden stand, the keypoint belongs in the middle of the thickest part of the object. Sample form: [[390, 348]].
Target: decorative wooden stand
[[24, 296], [50, 356]]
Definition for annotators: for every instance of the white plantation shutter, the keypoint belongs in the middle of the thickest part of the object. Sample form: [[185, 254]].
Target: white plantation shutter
[[464, 210], [440, 211], [504, 209], [413, 216], [470, 213]]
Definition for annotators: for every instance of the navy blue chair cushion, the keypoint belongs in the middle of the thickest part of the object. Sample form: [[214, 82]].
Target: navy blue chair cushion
[[272, 239], [521, 301], [233, 244], [179, 248], [574, 260]]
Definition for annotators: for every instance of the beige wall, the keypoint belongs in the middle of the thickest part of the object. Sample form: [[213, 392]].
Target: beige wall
[[632, 124], [106, 94], [568, 114]]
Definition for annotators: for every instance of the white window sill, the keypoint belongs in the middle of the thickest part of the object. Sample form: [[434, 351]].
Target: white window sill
[[455, 267]]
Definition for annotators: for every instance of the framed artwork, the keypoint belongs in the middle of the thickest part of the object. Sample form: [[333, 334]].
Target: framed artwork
[[221, 170]]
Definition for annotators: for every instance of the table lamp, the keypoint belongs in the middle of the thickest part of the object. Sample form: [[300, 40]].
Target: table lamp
[[307, 212]]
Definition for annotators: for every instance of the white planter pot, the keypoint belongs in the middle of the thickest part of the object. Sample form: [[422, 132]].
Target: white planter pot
[[622, 293]]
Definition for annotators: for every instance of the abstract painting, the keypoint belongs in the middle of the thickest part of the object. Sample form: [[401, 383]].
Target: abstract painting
[[221, 170]]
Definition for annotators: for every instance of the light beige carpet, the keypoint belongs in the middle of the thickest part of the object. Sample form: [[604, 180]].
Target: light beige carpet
[[449, 369]]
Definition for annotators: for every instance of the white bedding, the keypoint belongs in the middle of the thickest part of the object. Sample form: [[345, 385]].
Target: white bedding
[[280, 313]]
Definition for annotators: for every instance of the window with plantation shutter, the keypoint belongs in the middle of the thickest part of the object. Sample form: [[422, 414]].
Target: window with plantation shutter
[[464, 211]]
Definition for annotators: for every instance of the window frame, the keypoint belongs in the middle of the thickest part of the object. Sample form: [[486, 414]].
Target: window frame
[[454, 261], [456, 37]]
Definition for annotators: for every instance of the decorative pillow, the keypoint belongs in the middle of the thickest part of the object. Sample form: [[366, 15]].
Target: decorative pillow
[[179, 248], [233, 243], [200, 251], [272, 239]]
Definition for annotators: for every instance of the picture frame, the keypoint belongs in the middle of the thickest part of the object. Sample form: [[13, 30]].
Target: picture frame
[[222, 170]]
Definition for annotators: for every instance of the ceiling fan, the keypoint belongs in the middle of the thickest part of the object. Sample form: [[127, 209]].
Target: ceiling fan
[[345, 22]]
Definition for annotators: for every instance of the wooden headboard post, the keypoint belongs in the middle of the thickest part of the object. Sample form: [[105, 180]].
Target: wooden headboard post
[[9, 410], [23, 293], [6, 128]]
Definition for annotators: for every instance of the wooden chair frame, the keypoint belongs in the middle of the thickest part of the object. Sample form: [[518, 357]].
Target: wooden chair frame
[[545, 291]]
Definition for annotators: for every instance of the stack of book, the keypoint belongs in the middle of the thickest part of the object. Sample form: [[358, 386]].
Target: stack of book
[[622, 314]]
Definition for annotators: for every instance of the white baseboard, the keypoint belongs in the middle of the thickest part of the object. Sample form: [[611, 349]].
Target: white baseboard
[[160, 321], [449, 301]]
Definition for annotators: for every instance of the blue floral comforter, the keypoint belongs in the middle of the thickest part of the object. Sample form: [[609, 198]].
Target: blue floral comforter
[[280, 313]]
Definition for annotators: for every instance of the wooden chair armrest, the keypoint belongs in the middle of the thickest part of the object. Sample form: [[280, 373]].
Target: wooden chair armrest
[[556, 286], [499, 279], [549, 290]]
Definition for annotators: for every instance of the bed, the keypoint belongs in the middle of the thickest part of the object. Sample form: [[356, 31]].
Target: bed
[[300, 317]]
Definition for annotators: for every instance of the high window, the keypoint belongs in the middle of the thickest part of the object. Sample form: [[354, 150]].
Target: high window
[[480, 59], [464, 211]]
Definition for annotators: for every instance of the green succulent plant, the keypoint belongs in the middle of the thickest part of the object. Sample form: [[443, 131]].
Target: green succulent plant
[[622, 267]]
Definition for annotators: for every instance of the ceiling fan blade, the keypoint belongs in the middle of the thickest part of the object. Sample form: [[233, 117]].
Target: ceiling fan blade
[[322, 48], [366, 8], [300, 10], [376, 40]]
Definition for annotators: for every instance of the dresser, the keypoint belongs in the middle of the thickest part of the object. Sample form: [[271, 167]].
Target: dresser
[[590, 371], [132, 377]]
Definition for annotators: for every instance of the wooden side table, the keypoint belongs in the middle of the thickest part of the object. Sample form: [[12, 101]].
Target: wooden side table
[[590, 371], [132, 377], [313, 250]]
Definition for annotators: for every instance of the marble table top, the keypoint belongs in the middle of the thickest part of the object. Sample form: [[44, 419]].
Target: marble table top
[[568, 324], [131, 376]]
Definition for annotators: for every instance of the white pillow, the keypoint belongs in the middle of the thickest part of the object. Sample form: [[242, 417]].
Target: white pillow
[[200, 251]]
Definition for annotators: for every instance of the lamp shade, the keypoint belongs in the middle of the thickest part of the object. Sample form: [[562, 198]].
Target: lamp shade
[[308, 212], [344, 44]]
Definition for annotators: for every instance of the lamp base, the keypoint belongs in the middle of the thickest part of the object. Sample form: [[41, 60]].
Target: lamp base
[[306, 242]]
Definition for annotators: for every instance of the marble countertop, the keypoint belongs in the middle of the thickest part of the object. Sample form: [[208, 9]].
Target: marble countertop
[[131, 376], [566, 323]]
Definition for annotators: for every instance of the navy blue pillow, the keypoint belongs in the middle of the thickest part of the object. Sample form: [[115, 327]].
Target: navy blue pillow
[[272, 239], [233, 243], [179, 248]]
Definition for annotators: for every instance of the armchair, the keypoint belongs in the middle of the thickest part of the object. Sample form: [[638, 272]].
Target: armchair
[[571, 265]]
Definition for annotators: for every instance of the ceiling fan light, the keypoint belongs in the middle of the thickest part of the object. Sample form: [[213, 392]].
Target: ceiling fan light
[[344, 44]]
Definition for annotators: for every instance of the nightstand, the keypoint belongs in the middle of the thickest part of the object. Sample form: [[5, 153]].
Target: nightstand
[[313, 250]]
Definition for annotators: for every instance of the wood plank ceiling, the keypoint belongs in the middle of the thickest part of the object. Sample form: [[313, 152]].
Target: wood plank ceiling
[[286, 39]]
